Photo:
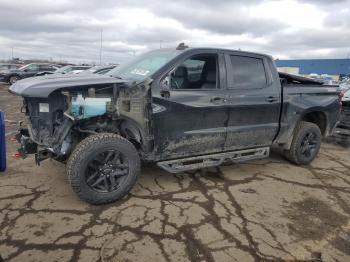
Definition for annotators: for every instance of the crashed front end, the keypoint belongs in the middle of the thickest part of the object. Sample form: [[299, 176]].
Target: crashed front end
[[48, 127], [62, 111]]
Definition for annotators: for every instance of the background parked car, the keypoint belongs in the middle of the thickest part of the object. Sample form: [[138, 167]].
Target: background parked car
[[71, 69], [345, 114], [9, 66], [99, 69], [13, 75], [346, 97], [344, 86]]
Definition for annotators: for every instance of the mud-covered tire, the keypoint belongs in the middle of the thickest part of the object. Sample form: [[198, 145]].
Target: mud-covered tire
[[13, 79], [306, 136], [86, 152]]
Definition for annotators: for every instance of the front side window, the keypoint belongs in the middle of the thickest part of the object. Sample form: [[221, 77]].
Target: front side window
[[248, 72], [198, 72], [33, 68]]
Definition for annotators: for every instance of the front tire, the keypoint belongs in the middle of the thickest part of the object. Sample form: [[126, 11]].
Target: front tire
[[14, 79], [103, 168], [305, 144]]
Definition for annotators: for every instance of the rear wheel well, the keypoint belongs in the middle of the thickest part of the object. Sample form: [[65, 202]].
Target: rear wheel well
[[318, 118]]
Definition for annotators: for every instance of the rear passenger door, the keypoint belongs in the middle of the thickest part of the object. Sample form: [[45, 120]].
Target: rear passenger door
[[253, 101]]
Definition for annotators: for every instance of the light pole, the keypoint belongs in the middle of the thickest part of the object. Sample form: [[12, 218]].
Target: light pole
[[101, 48]]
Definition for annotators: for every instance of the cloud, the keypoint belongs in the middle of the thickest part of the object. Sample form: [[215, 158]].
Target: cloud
[[71, 30], [225, 17]]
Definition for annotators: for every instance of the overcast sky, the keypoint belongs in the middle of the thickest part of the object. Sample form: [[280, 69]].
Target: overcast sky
[[70, 29]]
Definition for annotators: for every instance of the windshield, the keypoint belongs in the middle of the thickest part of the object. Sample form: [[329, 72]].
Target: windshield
[[93, 69], [64, 69], [24, 67], [144, 65]]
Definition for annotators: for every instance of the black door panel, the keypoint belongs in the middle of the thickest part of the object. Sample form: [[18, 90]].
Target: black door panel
[[189, 119], [190, 123], [253, 104]]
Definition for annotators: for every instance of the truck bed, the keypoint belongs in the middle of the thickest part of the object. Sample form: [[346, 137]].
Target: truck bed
[[302, 95], [297, 80]]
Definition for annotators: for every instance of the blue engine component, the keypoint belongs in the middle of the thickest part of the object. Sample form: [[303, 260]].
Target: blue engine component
[[88, 107]]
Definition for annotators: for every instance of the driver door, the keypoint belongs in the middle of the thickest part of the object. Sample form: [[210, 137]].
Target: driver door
[[189, 115]]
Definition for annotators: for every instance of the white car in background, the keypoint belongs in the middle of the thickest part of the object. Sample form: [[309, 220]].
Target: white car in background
[[71, 69], [344, 86], [346, 97]]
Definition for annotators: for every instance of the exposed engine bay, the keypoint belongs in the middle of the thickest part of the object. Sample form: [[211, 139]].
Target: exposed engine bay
[[60, 121]]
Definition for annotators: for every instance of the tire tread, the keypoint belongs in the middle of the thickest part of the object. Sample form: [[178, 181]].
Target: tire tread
[[81, 150], [292, 153]]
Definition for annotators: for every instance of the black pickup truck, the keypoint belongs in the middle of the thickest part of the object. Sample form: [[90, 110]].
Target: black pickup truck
[[183, 108]]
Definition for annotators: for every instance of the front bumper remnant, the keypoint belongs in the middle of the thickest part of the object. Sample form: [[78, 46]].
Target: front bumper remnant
[[27, 145]]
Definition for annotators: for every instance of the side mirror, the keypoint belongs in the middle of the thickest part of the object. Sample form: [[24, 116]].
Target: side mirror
[[165, 82], [25, 70]]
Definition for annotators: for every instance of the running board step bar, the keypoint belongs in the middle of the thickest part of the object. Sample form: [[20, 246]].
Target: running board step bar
[[191, 163]]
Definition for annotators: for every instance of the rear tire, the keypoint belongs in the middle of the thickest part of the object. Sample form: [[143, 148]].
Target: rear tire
[[103, 168], [305, 144]]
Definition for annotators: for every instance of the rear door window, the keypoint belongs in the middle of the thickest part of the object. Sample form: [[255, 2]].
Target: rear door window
[[46, 68], [248, 72]]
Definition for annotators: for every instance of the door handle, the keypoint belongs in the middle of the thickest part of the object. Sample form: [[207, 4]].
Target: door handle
[[165, 94], [218, 99], [271, 99]]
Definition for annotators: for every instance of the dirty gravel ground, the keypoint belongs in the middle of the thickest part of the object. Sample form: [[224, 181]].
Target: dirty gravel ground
[[266, 210]]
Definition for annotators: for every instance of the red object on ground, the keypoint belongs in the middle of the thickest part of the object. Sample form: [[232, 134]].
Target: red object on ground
[[17, 155]]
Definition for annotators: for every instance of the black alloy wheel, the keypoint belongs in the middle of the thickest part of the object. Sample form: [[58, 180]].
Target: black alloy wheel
[[309, 144], [106, 171], [103, 168], [305, 144]]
